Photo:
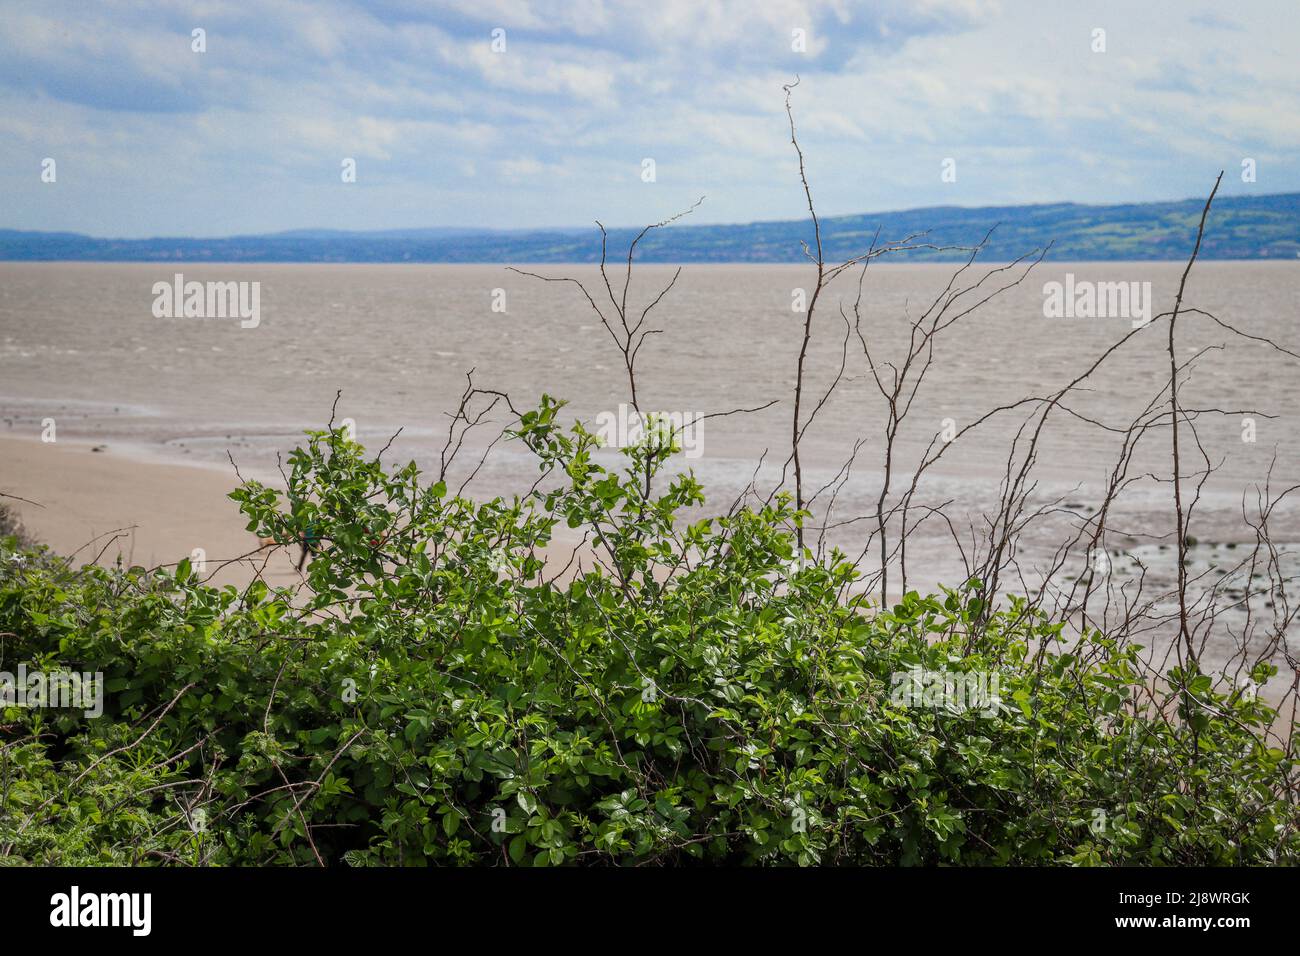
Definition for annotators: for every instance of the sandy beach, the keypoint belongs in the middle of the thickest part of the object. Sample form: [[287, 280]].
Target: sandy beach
[[102, 505], [99, 506]]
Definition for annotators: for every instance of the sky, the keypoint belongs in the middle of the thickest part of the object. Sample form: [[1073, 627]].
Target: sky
[[553, 127]]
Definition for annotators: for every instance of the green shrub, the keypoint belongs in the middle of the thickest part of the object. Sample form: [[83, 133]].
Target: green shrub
[[11, 526], [692, 693]]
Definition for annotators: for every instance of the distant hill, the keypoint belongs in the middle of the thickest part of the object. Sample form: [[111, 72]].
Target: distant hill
[[1240, 227]]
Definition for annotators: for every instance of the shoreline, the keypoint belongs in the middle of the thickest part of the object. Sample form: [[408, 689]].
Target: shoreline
[[104, 506], [115, 504], [99, 507]]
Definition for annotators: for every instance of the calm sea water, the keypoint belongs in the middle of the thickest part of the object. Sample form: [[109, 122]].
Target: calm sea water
[[80, 343]]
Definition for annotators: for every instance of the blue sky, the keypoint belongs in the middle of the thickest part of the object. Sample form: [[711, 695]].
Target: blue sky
[[151, 138]]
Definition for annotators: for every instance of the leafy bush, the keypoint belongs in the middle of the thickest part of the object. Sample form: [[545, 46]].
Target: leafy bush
[[692, 692], [11, 526]]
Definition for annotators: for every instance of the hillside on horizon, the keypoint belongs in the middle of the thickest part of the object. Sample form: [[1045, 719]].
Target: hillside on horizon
[[1239, 227]]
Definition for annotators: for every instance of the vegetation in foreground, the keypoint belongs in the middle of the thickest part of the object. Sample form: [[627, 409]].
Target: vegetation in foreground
[[701, 693]]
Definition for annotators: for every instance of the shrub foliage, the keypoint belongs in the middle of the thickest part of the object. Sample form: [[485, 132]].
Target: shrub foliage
[[682, 692]]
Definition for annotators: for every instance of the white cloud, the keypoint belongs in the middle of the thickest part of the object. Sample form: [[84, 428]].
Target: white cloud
[[249, 135]]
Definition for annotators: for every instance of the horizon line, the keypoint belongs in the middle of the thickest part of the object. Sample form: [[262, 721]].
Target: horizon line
[[303, 231]]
